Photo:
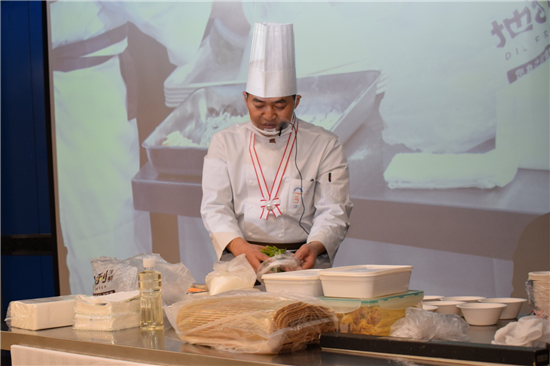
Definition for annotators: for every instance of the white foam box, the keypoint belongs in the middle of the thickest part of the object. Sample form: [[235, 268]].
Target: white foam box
[[43, 313], [365, 281], [305, 282]]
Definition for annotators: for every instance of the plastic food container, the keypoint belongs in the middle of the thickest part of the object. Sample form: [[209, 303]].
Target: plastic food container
[[303, 282], [339, 102], [365, 281], [372, 316]]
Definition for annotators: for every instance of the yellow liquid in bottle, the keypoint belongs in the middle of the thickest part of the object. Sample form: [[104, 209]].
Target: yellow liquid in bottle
[[150, 300]]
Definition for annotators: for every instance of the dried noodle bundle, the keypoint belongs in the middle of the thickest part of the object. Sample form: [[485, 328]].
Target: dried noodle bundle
[[254, 322]]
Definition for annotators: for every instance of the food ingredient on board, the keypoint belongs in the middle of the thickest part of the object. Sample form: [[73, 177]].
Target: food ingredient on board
[[177, 139], [445, 171], [150, 293], [252, 322]]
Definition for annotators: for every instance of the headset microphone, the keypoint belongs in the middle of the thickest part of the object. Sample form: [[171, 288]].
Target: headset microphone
[[280, 130]]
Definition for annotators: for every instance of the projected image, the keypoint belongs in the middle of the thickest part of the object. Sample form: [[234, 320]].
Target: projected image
[[431, 109]]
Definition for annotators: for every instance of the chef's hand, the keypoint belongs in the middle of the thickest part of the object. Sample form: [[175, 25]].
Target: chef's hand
[[308, 253], [252, 252]]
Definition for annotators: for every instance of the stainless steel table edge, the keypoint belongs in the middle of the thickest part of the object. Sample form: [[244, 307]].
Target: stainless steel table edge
[[119, 352]]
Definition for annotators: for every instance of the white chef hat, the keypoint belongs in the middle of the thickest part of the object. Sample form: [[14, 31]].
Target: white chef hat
[[272, 68]]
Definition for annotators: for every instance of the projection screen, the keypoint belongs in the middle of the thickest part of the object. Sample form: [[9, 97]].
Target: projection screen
[[442, 108]]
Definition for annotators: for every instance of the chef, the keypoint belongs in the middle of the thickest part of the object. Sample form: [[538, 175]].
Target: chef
[[275, 180]]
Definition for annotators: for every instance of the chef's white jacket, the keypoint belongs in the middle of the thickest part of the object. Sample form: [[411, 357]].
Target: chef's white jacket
[[231, 205]]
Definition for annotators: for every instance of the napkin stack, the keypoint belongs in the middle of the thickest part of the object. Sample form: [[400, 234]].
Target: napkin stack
[[36, 314], [107, 313]]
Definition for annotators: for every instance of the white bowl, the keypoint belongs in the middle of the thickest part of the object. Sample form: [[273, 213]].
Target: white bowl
[[445, 307], [481, 313], [513, 305], [429, 308], [463, 298], [432, 297]]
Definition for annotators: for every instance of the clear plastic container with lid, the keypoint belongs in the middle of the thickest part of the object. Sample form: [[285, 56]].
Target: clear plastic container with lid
[[365, 281], [372, 316], [150, 290]]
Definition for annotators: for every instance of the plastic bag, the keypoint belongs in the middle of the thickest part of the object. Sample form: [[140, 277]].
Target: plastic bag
[[232, 275], [422, 324], [286, 261], [114, 275], [251, 321]]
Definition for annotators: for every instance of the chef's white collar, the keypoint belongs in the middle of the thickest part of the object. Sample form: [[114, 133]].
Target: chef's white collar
[[260, 133]]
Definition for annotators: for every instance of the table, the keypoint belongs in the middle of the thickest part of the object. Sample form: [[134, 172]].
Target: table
[[165, 348]]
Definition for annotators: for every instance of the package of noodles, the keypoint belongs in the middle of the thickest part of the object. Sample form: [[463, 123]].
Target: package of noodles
[[252, 322]]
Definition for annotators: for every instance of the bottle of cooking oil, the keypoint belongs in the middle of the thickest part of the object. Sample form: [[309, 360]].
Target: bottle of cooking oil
[[150, 289]]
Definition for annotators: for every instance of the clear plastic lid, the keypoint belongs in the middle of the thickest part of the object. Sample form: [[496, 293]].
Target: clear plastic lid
[[395, 301], [365, 270]]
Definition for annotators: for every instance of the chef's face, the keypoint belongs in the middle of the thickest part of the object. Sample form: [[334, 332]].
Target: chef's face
[[270, 113]]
